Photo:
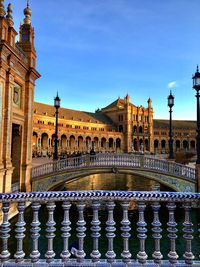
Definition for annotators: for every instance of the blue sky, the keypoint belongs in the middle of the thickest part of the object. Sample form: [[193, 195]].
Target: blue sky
[[93, 51]]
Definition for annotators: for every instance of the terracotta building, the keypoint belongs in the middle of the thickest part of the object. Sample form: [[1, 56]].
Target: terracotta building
[[119, 127], [17, 82]]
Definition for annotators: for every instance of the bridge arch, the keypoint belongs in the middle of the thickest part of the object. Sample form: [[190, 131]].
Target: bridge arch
[[52, 182], [176, 176]]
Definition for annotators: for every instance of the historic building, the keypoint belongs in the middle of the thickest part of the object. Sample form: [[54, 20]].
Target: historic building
[[184, 136], [118, 127], [17, 82]]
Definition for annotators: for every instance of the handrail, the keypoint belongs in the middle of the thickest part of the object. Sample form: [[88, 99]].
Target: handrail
[[96, 200], [131, 161]]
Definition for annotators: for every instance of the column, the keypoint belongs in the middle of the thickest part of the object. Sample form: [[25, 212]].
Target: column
[[7, 130]]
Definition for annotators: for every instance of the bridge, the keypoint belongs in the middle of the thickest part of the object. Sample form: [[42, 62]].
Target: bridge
[[176, 176], [131, 232]]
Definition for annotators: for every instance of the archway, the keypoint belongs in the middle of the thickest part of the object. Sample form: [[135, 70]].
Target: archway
[[34, 144], [63, 143], [163, 146], [135, 144], [178, 145], [118, 143], [185, 145], [80, 143], [103, 142], [111, 143], [72, 143]]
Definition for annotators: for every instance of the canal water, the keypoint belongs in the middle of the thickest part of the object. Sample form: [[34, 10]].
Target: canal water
[[111, 182]]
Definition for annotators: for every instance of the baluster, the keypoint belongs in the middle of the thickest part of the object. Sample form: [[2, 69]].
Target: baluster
[[142, 256], [173, 256], [65, 254], [81, 231], [110, 254], [126, 255], [95, 255], [35, 254], [157, 256], [20, 229], [188, 255], [5, 229], [50, 254]]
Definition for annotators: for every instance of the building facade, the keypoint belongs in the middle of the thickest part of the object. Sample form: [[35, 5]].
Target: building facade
[[118, 127], [17, 82]]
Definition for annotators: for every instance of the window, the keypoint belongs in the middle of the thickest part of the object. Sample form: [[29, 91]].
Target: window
[[121, 128]]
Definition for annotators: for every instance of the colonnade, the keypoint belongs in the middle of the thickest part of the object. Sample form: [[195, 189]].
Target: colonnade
[[162, 146], [43, 144]]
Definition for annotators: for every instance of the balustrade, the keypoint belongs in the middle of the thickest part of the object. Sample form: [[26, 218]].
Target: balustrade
[[99, 201], [116, 160]]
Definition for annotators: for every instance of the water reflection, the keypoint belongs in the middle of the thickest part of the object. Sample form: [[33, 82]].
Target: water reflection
[[112, 181]]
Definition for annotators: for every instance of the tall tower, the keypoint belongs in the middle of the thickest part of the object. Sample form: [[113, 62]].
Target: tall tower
[[150, 125], [17, 82], [26, 38], [128, 125]]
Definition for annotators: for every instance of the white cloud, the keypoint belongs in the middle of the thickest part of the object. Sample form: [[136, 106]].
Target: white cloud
[[172, 84]]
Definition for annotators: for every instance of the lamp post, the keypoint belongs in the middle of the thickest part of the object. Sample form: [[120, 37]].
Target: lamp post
[[196, 86], [57, 106], [170, 105]]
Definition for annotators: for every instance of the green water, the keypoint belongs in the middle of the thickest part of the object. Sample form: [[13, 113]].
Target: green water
[[111, 182]]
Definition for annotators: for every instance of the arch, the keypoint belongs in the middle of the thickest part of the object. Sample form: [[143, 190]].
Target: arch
[[162, 178], [63, 141], [110, 142], [156, 144], [163, 144], [72, 142], [146, 144], [140, 129], [118, 143], [80, 143], [134, 129], [44, 141], [34, 144], [177, 145], [103, 142], [192, 144], [135, 144], [185, 144], [121, 129], [34, 139]]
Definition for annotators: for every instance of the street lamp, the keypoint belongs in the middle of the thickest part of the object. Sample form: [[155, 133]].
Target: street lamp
[[196, 86], [57, 106], [170, 105]]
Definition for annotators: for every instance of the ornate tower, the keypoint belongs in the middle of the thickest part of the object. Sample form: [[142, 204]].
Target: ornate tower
[[150, 125], [26, 38], [17, 82], [128, 125]]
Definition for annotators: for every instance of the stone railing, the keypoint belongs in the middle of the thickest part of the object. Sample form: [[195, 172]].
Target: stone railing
[[118, 161], [96, 201]]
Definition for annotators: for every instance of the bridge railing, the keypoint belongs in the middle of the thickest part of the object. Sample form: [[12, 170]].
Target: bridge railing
[[92, 230], [116, 160]]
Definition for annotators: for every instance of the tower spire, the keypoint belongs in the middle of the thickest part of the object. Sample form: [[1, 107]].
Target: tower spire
[[2, 10], [27, 14], [9, 15]]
